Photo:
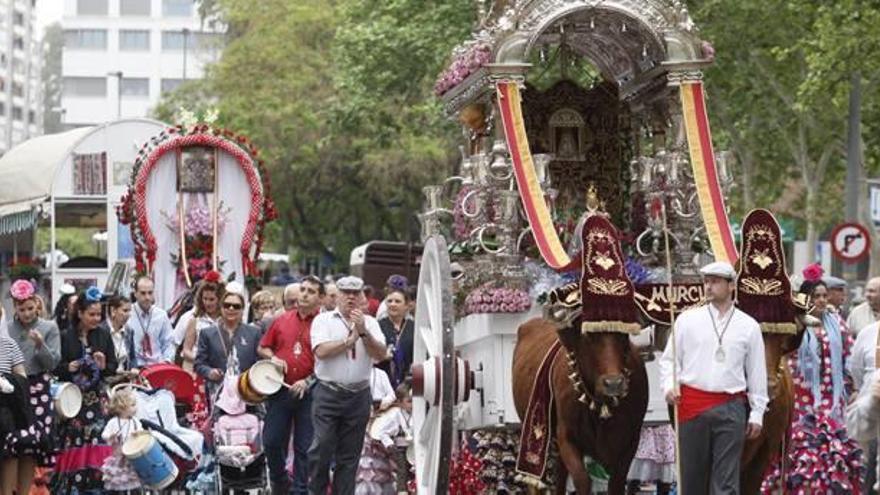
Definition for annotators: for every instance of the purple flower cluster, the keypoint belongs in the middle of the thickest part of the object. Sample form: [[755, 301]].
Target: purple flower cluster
[[461, 67], [636, 271], [486, 299]]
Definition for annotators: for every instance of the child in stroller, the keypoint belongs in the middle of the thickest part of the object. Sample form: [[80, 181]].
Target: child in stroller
[[237, 442]]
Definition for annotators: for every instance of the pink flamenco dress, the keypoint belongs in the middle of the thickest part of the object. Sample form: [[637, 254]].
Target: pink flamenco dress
[[820, 456], [118, 473]]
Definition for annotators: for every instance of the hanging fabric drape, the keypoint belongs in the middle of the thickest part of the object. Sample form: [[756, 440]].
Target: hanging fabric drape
[[534, 204], [705, 174]]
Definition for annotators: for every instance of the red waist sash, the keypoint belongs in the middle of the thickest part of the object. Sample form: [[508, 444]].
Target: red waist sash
[[695, 402]]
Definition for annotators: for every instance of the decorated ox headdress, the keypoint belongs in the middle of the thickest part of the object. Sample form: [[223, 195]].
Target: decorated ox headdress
[[607, 293], [763, 287]]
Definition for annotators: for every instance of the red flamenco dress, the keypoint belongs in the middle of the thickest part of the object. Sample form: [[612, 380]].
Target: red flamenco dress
[[821, 458]]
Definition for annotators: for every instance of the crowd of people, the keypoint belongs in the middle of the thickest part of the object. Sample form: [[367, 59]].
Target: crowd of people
[[344, 354]]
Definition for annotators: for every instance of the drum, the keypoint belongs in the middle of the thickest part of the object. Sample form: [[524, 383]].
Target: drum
[[67, 399], [380, 422], [263, 379], [153, 466]]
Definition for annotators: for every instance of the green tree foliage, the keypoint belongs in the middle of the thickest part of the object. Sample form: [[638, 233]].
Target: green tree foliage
[[337, 95], [779, 92]]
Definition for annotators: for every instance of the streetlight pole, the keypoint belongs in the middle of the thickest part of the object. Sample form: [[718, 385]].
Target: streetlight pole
[[185, 40], [118, 76]]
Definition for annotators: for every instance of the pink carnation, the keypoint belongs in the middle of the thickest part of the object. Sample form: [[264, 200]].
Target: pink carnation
[[21, 290]]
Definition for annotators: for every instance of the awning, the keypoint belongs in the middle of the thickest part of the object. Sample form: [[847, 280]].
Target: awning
[[17, 222], [27, 171]]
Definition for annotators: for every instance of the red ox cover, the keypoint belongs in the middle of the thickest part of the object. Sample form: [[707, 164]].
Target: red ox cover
[[763, 289], [607, 295], [173, 378]]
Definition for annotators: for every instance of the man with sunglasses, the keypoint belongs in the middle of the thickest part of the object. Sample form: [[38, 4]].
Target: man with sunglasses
[[288, 343], [346, 343]]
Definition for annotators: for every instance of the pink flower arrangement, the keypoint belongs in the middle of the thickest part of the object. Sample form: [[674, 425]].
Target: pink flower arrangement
[[487, 299], [21, 290], [462, 66]]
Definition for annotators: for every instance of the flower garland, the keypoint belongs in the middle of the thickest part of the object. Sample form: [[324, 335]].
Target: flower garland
[[489, 299], [467, 61], [199, 240], [132, 211]]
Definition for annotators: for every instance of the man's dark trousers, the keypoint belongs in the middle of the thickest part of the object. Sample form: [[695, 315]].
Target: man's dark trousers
[[340, 419], [283, 411]]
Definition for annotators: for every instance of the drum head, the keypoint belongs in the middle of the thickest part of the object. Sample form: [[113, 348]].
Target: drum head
[[69, 400], [137, 444], [379, 422], [265, 377]]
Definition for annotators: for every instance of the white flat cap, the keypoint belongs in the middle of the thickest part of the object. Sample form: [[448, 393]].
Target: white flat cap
[[720, 269], [834, 282], [234, 288], [350, 283]]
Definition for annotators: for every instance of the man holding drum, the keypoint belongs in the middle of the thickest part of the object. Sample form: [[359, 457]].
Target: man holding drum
[[288, 343], [346, 343]]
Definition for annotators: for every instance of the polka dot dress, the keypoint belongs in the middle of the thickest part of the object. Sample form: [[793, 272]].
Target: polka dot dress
[[82, 452], [38, 440], [821, 458]]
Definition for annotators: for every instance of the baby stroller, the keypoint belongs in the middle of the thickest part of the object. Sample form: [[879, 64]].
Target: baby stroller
[[238, 443]]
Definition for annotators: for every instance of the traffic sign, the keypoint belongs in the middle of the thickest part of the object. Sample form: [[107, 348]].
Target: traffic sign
[[850, 242]]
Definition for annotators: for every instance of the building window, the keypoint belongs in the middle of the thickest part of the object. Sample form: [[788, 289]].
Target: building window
[[169, 85], [134, 7], [91, 7], [134, 40], [135, 86], [17, 89], [85, 86], [18, 18], [18, 42], [177, 8], [2, 108], [174, 40], [32, 116], [17, 113], [85, 39]]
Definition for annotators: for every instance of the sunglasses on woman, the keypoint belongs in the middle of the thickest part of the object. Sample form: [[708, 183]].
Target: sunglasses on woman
[[235, 306]]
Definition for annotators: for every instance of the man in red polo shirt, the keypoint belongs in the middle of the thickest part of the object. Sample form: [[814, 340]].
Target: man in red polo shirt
[[288, 343]]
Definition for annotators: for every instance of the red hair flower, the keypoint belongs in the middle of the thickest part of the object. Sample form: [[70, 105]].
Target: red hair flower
[[813, 272], [212, 276]]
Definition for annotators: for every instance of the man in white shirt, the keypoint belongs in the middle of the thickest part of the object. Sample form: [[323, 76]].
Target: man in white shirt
[[862, 367], [346, 343], [866, 313], [150, 336], [719, 362]]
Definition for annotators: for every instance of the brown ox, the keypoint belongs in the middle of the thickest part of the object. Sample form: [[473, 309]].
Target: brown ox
[[612, 374], [758, 453]]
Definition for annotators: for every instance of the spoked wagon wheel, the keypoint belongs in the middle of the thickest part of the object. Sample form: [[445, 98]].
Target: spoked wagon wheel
[[432, 370]]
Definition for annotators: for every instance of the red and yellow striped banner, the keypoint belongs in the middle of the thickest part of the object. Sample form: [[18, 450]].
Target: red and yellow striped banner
[[705, 174], [509, 102]]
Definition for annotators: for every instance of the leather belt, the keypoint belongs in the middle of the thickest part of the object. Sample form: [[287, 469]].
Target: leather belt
[[350, 388]]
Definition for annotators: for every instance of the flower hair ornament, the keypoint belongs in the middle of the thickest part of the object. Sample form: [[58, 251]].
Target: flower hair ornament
[[93, 294], [212, 276], [22, 290], [813, 273]]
